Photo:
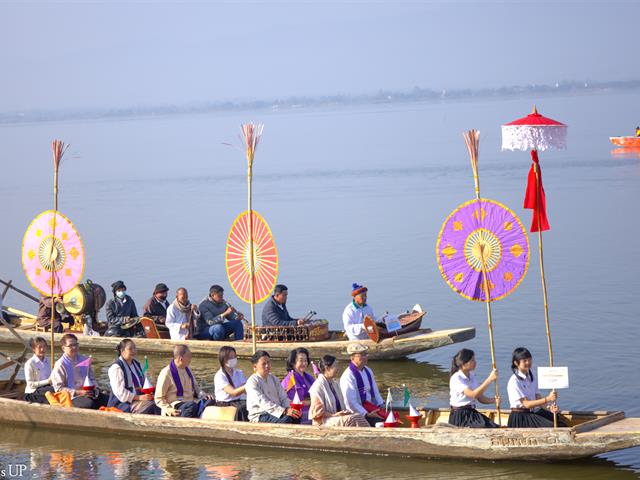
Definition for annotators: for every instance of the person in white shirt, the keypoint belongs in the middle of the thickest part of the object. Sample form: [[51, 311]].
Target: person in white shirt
[[524, 399], [229, 383], [359, 388], [354, 313], [267, 402], [37, 371], [181, 316], [127, 382], [464, 392]]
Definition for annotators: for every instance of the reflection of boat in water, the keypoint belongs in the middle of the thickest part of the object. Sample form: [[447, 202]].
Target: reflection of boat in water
[[626, 152], [627, 141], [393, 348], [589, 433]]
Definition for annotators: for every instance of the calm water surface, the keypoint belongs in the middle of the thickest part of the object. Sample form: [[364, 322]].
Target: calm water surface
[[350, 195]]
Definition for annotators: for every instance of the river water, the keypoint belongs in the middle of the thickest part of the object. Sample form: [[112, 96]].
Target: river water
[[351, 195]]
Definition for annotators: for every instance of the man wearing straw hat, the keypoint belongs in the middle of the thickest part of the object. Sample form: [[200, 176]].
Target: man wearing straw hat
[[354, 314], [359, 387]]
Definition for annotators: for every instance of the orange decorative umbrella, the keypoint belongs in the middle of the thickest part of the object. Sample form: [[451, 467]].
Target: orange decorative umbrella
[[238, 260]]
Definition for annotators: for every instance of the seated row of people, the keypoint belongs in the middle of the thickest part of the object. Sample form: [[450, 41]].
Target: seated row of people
[[355, 401], [212, 319], [529, 409]]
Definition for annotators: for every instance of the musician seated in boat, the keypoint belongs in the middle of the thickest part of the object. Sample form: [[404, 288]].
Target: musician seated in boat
[[44, 314], [229, 383], [275, 313], [464, 391], [267, 402], [119, 310], [156, 307], [177, 392], [298, 380], [181, 316], [218, 320], [73, 373], [327, 403], [127, 382], [359, 387], [354, 313], [529, 409], [37, 372]]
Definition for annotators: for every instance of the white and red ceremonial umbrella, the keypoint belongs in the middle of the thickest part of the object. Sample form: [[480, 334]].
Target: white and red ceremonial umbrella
[[536, 133]]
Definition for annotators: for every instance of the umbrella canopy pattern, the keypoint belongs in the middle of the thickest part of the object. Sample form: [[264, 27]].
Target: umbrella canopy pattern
[[476, 226], [534, 132], [265, 258], [52, 254]]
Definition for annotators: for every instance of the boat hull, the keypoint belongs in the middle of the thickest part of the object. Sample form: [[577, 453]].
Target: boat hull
[[433, 441], [625, 141], [394, 348]]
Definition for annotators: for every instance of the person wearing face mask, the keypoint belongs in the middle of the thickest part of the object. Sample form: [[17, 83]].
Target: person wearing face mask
[[156, 307], [119, 310], [229, 383]]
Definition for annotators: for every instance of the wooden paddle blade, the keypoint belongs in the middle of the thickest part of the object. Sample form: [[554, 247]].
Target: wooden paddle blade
[[372, 329]]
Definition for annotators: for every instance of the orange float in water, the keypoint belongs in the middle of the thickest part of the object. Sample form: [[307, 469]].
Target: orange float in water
[[628, 141]]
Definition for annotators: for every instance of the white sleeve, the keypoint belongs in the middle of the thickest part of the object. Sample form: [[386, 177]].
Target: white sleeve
[[171, 316], [515, 393], [351, 395], [31, 375], [353, 329], [116, 380]]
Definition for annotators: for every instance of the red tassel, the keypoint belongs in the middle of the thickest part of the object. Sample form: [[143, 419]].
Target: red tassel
[[538, 203]]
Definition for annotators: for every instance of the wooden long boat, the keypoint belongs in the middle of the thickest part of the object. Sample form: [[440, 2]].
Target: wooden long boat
[[590, 433], [393, 348]]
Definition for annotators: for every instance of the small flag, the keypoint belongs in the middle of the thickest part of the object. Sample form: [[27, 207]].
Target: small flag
[[407, 395], [316, 370], [292, 381], [535, 198], [389, 399], [146, 366], [84, 363]]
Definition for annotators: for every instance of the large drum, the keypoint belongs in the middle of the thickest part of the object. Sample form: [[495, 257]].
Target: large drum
[[84, 298]]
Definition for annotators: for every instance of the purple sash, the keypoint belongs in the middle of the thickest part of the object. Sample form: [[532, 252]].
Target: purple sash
[[176, 379], [68, 366], [360, 382], [302, 384]]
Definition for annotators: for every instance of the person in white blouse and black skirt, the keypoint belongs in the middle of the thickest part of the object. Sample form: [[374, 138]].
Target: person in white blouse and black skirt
[[525, 400], [465, 392]]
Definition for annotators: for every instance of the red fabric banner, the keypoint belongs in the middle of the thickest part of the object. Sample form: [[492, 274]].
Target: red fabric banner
[[535, 199]]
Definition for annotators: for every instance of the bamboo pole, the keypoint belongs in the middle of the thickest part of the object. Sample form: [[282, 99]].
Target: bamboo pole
[[252, 292], [487, 295], [56, 164], [472, 139], [543, 278]]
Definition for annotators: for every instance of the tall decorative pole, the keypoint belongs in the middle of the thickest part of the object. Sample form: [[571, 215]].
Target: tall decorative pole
[[251, 134], [537, 133], [58, 148]]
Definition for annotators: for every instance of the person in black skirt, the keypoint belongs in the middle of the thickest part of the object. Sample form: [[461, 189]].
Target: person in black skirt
[[525, 400], [465, 391]]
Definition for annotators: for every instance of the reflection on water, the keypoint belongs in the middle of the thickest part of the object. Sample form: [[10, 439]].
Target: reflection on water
[[627, 152], [65, 456]]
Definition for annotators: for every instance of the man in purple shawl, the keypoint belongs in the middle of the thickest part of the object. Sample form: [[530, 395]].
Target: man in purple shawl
[[177, 393], [359, 388], [70, 373], [298, 380]]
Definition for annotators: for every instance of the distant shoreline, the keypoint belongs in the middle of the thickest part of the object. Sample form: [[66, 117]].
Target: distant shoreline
[[294, 103]]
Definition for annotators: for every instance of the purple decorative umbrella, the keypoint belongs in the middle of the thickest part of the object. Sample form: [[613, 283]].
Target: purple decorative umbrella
[[494, 227]]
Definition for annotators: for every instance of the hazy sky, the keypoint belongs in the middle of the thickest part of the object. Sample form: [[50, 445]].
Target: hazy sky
[[103, 54]]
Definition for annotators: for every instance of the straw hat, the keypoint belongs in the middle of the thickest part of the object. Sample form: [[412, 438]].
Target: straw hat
[[354, 348]]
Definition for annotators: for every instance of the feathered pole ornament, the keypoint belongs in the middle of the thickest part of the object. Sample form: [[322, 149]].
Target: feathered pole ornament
[[59, 148], [250, 136]]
